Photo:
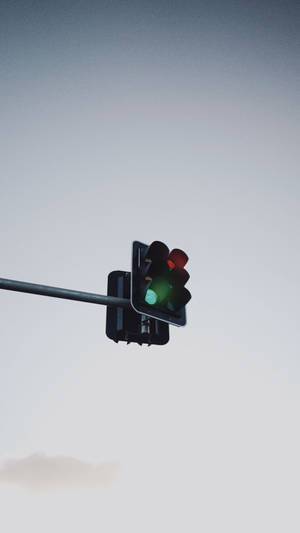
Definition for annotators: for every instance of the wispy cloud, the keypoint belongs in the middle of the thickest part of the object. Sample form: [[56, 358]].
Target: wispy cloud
[[43, 473]]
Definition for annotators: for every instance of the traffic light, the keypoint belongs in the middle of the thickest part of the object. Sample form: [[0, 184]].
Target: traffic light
[[126, 324], [158, 282]]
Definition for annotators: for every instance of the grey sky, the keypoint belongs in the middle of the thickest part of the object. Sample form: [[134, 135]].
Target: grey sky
[[154, 122]]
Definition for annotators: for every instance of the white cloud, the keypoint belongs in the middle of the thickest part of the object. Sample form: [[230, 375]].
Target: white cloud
[[43, 473]]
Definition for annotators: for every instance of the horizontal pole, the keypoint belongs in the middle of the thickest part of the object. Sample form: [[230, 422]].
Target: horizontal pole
[[67, 294]]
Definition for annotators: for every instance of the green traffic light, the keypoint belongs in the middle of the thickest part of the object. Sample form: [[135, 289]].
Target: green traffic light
[[158, 291], [158, 279], [151, 297]]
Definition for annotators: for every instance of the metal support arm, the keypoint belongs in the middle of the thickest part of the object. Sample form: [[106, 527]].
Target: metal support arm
[[67, 294]]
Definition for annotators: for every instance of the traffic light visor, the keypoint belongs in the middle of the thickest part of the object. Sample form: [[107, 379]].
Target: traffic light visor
[[157, 251], [178, 299]]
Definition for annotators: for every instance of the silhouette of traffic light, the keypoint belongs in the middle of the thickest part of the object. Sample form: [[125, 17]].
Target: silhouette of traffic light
[[126, 324], [158, 282]]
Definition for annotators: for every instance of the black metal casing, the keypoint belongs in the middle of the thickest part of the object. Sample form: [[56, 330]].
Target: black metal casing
[[177, 318], [126, 324]]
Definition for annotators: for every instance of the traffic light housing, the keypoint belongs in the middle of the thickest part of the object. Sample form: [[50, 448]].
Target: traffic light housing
[[125, 324], [158, 282]]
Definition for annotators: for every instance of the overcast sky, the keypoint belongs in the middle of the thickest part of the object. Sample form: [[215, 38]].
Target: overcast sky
[[176, 121]]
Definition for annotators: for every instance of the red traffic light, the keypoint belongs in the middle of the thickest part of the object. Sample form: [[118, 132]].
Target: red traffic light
[[177, 259]]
